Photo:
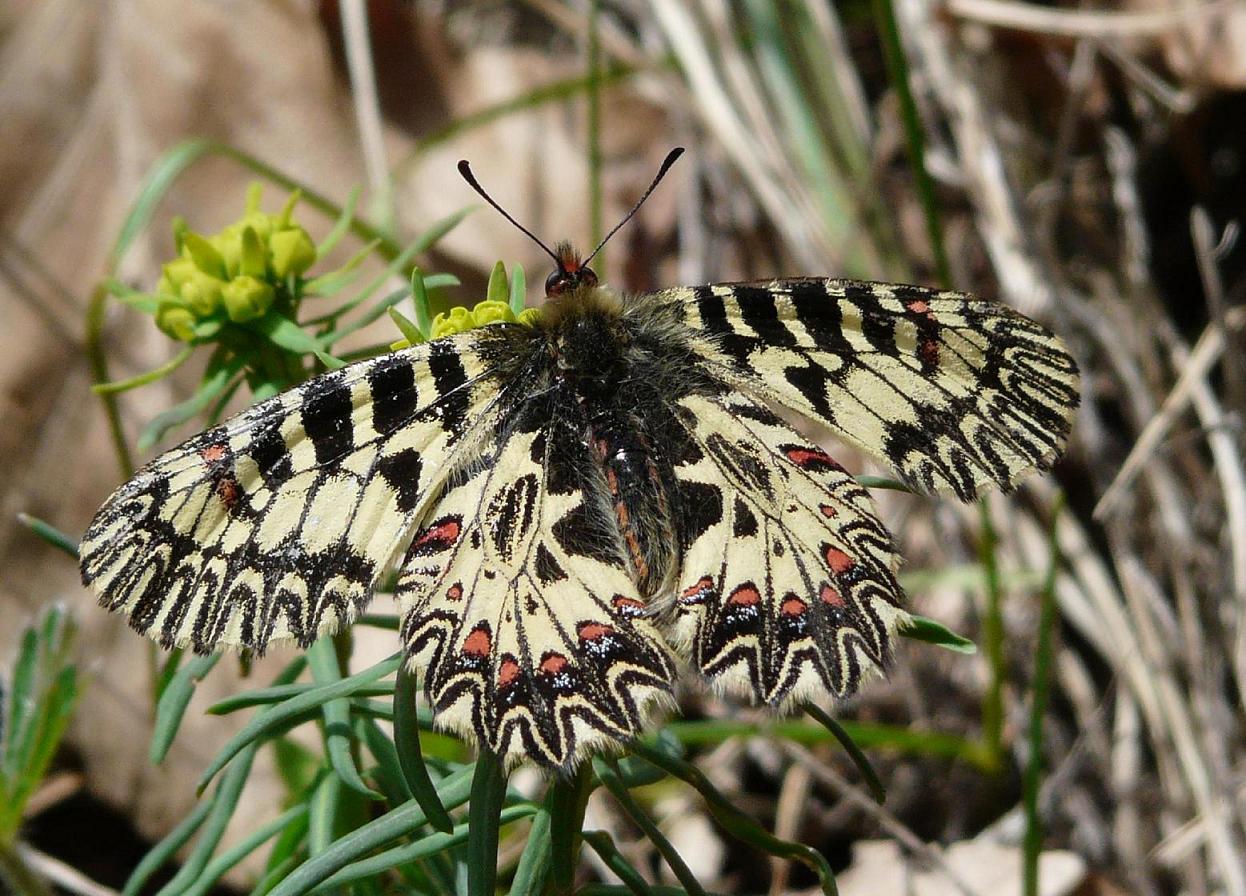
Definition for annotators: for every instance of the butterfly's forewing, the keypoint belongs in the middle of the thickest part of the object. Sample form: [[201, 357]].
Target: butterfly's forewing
[[787, 584], [954, 392], [275, 525], [518, 610]]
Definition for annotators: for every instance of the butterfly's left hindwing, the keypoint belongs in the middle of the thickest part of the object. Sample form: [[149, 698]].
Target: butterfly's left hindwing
[[275, 525], [518, 610]]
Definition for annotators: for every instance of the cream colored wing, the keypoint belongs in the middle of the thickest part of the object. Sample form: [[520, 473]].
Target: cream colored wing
[[787, 587], [518, 612], [954, 392], [275, 525]]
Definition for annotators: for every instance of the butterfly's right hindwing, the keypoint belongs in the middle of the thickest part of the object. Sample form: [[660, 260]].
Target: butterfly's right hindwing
[[275, 525]]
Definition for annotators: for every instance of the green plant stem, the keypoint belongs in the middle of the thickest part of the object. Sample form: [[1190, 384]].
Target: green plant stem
[[93, 345], [993, 641], [1043, 652], [567, 800], [897, 71], [488, 796]]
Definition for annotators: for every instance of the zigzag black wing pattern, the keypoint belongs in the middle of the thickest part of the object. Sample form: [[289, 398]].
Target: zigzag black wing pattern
[[955, 393], [518, 607], [275, 525], [787, 587]]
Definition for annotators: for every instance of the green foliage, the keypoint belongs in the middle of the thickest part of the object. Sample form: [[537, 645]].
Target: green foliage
[[37, 698]]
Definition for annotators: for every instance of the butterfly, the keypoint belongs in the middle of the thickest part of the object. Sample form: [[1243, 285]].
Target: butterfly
[[583, 506]]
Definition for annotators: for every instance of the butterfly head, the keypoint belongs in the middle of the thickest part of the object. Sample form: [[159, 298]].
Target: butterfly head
[[570, 275]]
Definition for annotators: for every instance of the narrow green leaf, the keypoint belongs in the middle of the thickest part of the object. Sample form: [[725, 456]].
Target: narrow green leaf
[[1031, 782], [270, 720], [388, 771], [224, 802], [883, 482], [483, 819], [228, 860], [164, 851], [219, 373], [324, 813], [332, 282], [923, 628], [407, 328], [566, 801], [419, 298], [150, 376], [323, 661], [279, 693], [330, 362], [356, 845], [854, 752], [603, 844], [608, 774], [173, 702], [736, 823], [23, 702], [49, 533], [383, 306], [417, 850], [340, 227], [498, 289], [519, 290], [410, 754], [533, 867], [283, 332]]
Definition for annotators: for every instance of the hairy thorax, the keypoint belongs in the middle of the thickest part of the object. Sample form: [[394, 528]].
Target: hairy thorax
[[602, 360]]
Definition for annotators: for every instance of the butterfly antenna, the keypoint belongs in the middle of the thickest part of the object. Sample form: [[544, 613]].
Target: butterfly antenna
[[466, 170], [671, 157]]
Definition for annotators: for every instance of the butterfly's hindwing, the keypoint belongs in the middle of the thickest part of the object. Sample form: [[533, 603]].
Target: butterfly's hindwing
[[955, 393], [787, 586], [275, 525], [518, 608]]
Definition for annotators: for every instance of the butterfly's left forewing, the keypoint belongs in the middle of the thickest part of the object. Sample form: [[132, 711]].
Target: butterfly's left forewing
[[518, 609]]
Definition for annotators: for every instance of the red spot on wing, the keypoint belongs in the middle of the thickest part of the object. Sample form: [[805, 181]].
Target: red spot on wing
[[698, 592], [552, 663], [831, 596], [215, 453], [811, 458], [508, 671], [628, 606], [918, 306], [838, 561], [479, 643], [745, 595], [828, 511], [228, 491], [438, 537], [793, 606], [591, 631], [455, 592]]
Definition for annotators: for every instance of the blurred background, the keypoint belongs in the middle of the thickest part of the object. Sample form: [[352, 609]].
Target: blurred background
[[1085, 166]]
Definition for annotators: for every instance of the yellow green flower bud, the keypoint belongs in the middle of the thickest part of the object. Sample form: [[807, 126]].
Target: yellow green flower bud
[[457, 321], [490, 312], [247, 298], [203, 254], [174, 274], [529, 316], [175, 321], [253, 261], [201, 293], [293, 251]]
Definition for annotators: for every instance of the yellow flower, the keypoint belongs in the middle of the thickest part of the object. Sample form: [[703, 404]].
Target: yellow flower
[[247, 298], [457, 321], [293, 251], [491, 312], [175, 321]]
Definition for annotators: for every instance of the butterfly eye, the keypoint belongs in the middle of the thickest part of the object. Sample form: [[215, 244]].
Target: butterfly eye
[[588, 277], [558, 282]]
